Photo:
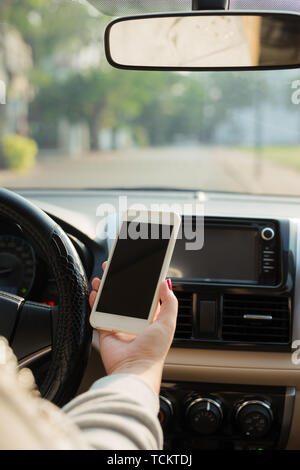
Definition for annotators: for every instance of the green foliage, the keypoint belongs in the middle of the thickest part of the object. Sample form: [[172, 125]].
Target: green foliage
[[157, 107], [18, 152], [49, 25]]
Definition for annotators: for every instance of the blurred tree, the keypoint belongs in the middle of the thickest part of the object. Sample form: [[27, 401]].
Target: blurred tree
[[103, 98], [54, 32], [51, 26], [159, 106]]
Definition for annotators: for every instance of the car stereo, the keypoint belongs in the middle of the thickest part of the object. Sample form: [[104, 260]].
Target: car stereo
[[234, 251]]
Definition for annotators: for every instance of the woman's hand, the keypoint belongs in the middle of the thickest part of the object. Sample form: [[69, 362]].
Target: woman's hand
[[144, 354]]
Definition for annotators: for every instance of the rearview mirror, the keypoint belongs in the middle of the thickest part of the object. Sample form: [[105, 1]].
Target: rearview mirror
[[205, 41]]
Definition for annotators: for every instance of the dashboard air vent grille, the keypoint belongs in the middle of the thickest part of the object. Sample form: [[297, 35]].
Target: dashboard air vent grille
[[184, 328], [256, 319]]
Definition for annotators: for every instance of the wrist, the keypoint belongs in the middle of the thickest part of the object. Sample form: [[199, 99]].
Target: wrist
[[150, 372]]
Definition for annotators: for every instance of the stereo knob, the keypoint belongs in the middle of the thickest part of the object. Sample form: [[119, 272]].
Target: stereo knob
[[204, 415], [267, 234], [254, 418], [166, 411]]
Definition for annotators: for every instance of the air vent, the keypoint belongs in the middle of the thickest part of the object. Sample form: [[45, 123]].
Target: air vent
[[256, 319], [184, 328]]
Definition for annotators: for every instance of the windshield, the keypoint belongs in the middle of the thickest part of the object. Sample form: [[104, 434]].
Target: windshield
[[69, 120]]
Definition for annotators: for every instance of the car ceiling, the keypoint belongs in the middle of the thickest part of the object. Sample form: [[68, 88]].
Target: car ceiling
[[127, 7]]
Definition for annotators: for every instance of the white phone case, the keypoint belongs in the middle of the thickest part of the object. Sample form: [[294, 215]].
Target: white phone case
[[114, 322]]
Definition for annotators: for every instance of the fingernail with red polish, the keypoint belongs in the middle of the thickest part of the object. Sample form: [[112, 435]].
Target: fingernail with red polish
[[169, 284]]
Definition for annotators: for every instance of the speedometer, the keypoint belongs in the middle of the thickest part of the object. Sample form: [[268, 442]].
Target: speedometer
[[17, 265]]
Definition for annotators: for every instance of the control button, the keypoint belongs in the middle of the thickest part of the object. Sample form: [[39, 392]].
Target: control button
[[204, 415], [266, 267], [166, 411], [254, 418], [267, 234]]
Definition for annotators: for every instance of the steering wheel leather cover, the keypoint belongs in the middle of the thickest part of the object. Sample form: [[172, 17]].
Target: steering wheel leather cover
[[71, 332]]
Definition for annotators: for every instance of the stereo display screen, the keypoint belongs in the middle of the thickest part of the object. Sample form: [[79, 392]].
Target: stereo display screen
[[228, 254]]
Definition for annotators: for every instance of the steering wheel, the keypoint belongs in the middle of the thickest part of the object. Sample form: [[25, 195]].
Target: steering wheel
[[31, 326]]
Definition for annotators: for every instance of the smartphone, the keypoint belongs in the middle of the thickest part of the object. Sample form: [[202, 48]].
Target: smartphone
[[137, 265]]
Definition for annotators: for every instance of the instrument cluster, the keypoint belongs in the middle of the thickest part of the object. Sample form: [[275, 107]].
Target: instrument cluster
[[23, 272]]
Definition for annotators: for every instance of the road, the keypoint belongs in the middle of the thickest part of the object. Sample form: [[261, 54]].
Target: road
[[203, 168]]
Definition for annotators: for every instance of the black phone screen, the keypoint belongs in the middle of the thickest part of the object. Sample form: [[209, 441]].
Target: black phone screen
[[135, 269]]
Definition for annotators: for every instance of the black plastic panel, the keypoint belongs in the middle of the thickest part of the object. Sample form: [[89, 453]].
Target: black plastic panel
[[235, 305], [178, 434]]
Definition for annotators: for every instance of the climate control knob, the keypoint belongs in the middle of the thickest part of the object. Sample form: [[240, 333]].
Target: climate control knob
[[204, 415], [166, 411], [254, 418]]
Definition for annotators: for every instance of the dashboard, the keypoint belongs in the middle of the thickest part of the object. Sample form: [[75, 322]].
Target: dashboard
[[237, 290], [230, 380]]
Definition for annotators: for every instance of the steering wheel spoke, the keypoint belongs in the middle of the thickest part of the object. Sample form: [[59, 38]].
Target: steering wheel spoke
[[33, 332], [9, 311], [26, 325]]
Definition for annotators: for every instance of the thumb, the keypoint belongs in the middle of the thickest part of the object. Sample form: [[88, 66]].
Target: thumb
[[169, 307]]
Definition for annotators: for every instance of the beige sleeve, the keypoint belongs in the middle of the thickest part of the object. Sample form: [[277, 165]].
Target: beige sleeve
[[26, 420], [118, 412]]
